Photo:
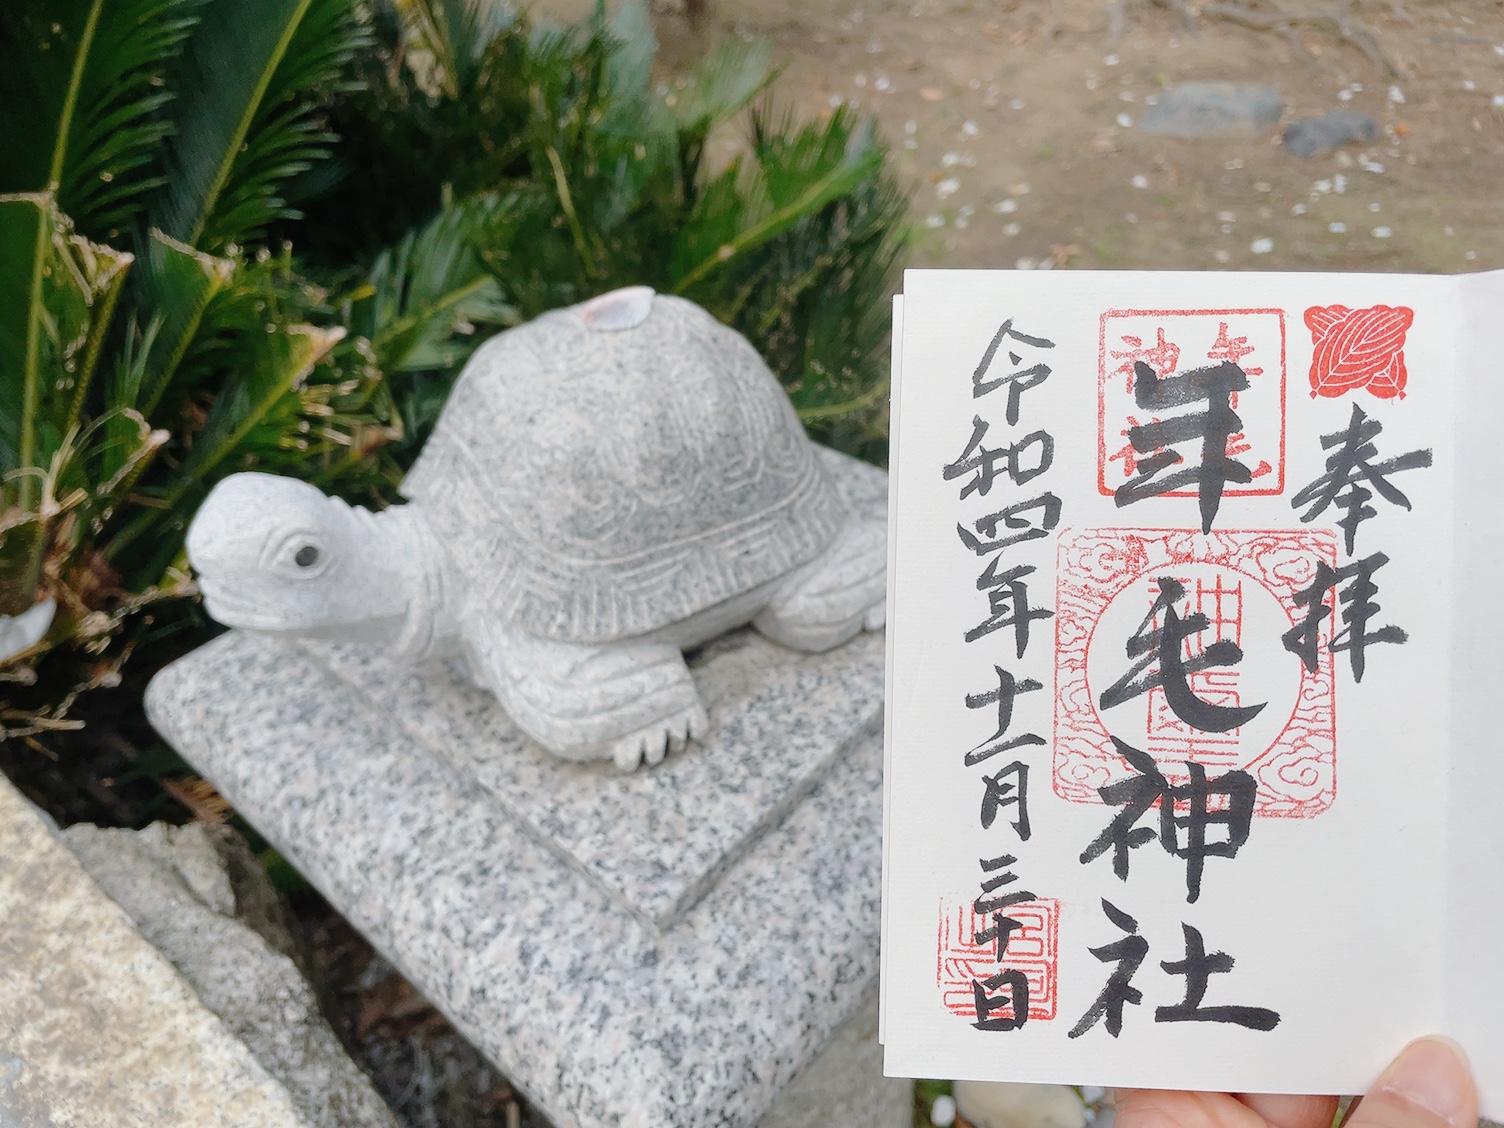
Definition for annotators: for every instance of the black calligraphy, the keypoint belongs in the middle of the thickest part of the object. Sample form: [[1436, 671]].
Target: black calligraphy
[[993, 465]]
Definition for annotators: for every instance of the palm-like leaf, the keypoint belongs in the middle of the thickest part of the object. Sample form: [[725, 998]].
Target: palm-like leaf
[[57, 292], [81, 100], [245, 121], [430, 287]]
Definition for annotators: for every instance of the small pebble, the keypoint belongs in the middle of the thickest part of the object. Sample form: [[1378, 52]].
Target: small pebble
[[911, 127], [1261, 246], [1499, 99], [1131, 217], [934, 220], [1298, 209], [1024, 264], [970, 128], [1374, 207], [1005, 207], [1017, 103], [1213, 109], [1449, 231], [943, 1111], [1091, 1094], [1222, 256], [1311, 136], [1470, 256], [1125, 121], [947, 188], [1338, 228], [1381, 232], [883, 84], [1227, 217], [1396, 96], [1011, 229], [1140, 181], [931, 93], [1109, 60]]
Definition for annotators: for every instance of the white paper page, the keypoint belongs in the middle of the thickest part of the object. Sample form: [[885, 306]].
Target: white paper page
[[895, 378], [1475, 902], [1334, 899]]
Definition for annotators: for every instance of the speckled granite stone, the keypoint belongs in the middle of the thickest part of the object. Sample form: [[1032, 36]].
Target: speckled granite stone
[[655, 839], [96, 1028], [629, 953]]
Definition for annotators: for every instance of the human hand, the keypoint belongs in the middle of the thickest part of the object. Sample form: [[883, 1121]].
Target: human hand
[[1428, 1086]]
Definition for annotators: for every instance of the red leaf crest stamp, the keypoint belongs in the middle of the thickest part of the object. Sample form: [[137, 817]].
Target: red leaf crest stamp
[[1358, 348], [1033, 948]]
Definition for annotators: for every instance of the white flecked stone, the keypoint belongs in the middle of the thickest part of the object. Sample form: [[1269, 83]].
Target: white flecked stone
[[989, 1104], [665, 949], [96, 1028], [176, 890], [844, 1087]]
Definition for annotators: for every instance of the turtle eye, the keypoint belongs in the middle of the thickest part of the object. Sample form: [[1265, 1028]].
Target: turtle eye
[[306, 557]]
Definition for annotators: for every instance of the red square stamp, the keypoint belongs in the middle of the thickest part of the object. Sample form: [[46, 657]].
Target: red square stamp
[[1226, 612], [1190, 345], [1033, 948]]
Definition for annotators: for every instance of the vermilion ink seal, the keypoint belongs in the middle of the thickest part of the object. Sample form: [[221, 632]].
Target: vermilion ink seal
[[1033, 948], [1359, 348], [1244, 584]]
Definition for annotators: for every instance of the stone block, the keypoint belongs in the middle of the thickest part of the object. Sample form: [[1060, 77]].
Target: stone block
[[1213, 109], [667, 948], [176, 889], [97, 1030]]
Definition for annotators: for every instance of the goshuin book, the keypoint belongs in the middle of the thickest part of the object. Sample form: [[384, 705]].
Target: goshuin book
[[1194, 765]]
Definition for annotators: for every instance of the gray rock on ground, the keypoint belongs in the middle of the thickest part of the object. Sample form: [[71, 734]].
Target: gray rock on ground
[[988, 1104], [1213, 109], [1312, 136], [844, 1087], [96, 1028], [178, 885]]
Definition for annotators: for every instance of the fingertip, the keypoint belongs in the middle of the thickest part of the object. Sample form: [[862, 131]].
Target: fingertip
[[1428, 1085]]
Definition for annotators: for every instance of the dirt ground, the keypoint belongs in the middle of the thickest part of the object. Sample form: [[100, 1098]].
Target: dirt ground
[[1016, 122]]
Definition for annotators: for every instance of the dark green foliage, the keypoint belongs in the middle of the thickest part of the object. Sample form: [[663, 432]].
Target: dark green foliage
[[576, 174]]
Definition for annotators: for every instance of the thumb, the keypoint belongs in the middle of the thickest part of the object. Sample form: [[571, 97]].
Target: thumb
[[1427, 1086]]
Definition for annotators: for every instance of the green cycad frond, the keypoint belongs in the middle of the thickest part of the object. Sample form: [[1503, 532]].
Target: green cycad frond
[[431, 286], [245, 120], [457, 34], [81, 100], [112, 152]]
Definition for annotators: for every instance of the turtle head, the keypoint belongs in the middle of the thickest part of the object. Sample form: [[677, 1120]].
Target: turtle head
[[274, 554]]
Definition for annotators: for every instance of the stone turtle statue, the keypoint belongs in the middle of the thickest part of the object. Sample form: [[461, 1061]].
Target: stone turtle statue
[[608, 485]]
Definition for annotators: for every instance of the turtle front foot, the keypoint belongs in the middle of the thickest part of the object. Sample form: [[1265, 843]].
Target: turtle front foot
[[837, 595], [651, 743]]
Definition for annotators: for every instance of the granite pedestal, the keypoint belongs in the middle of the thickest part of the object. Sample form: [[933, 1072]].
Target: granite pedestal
[[666, 948]]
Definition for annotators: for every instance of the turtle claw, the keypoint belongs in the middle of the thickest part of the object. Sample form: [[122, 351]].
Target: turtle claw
[[651, 744]]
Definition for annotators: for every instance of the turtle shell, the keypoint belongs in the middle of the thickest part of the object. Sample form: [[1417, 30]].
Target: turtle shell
[[596, 483]]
